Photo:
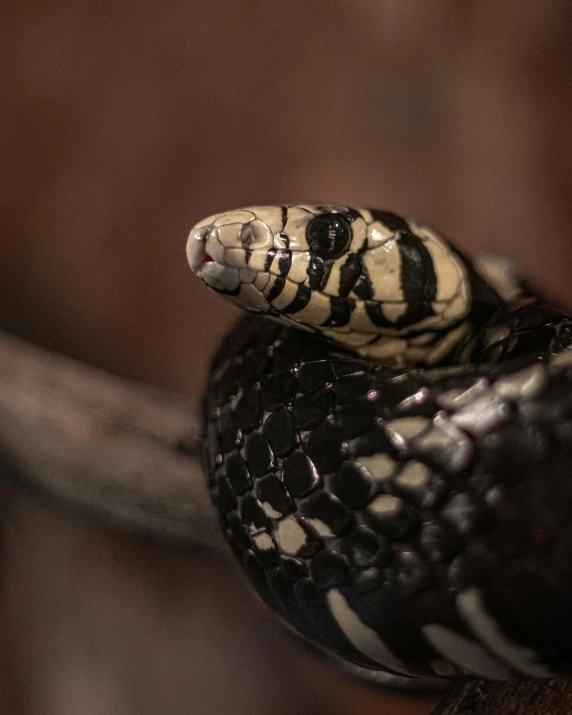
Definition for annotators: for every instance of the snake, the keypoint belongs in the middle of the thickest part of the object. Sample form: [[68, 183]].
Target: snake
[[387, 438]]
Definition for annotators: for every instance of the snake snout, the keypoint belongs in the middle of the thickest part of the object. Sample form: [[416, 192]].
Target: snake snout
[[196, 252]]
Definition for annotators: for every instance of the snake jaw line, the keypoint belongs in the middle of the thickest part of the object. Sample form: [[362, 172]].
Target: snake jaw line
[[395, 293]]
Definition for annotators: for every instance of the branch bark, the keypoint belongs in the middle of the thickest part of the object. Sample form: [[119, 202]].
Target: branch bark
[[120, 451], [525, 697]]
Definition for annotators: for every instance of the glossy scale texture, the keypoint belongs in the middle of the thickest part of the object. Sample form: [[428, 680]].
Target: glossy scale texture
[[415, 522]]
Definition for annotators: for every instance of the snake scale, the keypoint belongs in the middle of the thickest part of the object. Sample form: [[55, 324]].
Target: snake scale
[[390, 453]]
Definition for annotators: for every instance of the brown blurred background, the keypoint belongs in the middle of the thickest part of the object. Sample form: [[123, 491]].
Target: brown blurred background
[[123, 123]]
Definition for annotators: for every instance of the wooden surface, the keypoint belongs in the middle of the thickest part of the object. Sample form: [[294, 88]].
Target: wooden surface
[[551, 697], [118, 450]]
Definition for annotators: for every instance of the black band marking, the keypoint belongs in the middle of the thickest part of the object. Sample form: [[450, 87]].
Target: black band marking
[[375, 314], [269, 258], [349, 274], [319, 272], [284, 262], [363, 289], [276, 289], [418, 279], [340, 312], [391, 220], [284, 216], [315, 272], [301, 300]]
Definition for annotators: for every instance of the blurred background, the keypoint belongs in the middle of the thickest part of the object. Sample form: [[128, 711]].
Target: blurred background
[[124, 123]]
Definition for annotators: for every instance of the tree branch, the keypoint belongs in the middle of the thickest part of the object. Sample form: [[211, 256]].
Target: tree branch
[[521, 697], [121, 451]]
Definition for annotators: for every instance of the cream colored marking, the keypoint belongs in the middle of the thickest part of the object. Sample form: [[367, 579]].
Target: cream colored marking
[[439, 308], [561, 361], [366, 215], [269, 215], [321, 527], [364, 638], [394, 311], [458, 308], [501, 273], [280, 242], [385, 505], [423, 339], [194, 248], [317, 310], [230, 279], [211, 270], [208, 220], [286, 295], [263, 541], [380, 466], [270, 511], [235, 257], [357, 341], [251, 296], [229, 235], [521, 658], [387, 348], [295, 229], [383, 265], [359, 232], [378, 234], [246, 275], [290, 535], [257, 260], [448, 343], [332, 286], [239, 216], [465, 652], [261, 281], [361, 323], [448, 269], [482, 415], [414, 475], [522, 385], [405, 428], [215, 249], [299, 267], [212, 275], [274, 266], [459, 397]]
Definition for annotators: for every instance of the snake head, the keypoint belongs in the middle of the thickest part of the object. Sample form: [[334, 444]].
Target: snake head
[[382, 286]]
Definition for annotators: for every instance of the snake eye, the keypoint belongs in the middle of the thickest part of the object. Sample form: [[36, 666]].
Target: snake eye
[[328, 235]]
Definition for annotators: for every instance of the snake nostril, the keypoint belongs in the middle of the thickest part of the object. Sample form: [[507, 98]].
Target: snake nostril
[[246, 237]]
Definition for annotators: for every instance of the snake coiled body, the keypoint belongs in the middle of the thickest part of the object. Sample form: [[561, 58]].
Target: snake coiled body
[[395, 477]]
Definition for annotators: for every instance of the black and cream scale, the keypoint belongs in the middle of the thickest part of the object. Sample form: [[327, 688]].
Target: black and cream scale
[[391, 455]]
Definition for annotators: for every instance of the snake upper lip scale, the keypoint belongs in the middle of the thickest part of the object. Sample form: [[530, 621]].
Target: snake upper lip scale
[[390, 452]]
